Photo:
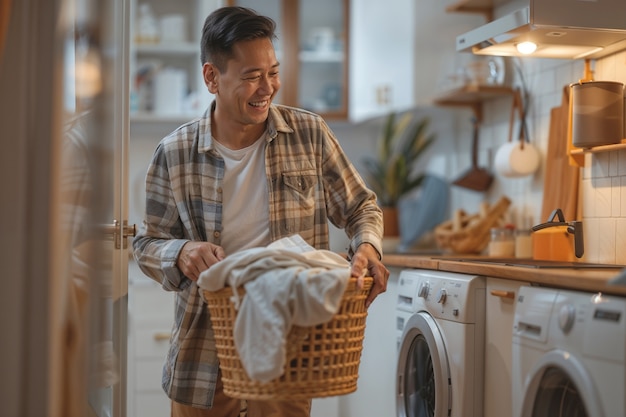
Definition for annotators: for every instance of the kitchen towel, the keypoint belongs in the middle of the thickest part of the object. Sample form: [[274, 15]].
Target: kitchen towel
[[423, 211], [287, 283]]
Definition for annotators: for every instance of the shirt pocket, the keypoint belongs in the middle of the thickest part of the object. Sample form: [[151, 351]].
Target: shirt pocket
[[300, 185], [299, 194]]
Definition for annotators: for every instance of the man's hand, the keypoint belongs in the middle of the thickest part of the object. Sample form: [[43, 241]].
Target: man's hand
[[195, 257], [365, 261]]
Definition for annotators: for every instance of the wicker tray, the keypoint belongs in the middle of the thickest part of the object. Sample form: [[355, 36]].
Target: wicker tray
[[323, 360]]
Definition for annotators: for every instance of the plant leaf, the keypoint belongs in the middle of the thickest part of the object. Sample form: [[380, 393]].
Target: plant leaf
[[402, 143]]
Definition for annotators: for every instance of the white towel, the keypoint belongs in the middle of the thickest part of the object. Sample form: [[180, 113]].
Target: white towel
[[287, 283]]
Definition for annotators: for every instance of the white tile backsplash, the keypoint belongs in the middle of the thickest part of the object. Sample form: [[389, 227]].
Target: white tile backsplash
[[604, 251], [621, 163], [588, 199], [600, 165], [601, 189], [620, 240], [613, 163], [591, 234], [616, 197]]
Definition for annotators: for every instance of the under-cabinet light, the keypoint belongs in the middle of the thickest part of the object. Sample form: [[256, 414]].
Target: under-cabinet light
[[526, 48]]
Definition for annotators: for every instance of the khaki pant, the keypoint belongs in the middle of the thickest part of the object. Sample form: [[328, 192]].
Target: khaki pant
[[224, 406]]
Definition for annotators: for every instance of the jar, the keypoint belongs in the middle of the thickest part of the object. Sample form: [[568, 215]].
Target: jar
[[523, 244], [502, 243]]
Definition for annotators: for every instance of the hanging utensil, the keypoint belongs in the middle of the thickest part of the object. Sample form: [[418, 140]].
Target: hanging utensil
[[476, 178], [517, 158]]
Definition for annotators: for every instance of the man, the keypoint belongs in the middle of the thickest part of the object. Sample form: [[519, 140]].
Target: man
[[245, 174]]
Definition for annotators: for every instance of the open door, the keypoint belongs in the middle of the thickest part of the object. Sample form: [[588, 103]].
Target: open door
[[93, 208], [64, 134]]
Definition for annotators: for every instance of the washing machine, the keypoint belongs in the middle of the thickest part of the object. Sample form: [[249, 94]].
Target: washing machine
[[441, 336], [569, 354]]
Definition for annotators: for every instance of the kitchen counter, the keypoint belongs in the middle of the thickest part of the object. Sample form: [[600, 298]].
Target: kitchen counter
[[591, 280]]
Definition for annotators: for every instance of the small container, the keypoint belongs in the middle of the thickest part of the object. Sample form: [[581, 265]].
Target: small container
[[597, 113], [523, 244], [147, 30], [502, 243]]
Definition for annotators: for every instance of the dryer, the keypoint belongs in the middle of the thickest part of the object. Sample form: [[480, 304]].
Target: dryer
[[569, 354], [441, 335]]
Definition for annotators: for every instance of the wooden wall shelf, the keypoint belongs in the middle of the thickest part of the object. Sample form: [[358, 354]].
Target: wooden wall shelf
[[472, 96], [599, 149], [484, 7], [577, 155]]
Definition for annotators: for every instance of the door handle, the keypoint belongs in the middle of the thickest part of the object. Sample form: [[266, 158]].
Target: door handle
[[161, 336], [119, 232], [503, 294]]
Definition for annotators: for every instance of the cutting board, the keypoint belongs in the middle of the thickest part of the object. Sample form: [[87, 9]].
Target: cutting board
[[560, 187]]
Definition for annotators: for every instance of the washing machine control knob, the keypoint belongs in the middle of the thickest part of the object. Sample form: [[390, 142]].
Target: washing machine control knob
[[567, 315], [423, 290], [441, 296]]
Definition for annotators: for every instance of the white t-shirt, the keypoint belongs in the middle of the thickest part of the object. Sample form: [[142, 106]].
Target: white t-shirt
[[245, 218]]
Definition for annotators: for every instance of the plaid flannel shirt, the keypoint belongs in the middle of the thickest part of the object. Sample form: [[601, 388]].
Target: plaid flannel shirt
[[310, 181]]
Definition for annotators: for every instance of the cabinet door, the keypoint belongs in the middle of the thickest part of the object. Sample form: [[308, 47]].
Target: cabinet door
[[322, 59], [382, 57], [312, 48], [151, 314], [500, 314]]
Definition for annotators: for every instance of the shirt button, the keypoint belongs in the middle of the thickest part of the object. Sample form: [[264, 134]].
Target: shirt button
[[216, 234], [219, 190]]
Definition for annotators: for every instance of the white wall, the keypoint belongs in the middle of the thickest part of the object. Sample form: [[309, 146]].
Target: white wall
[[435, 57]]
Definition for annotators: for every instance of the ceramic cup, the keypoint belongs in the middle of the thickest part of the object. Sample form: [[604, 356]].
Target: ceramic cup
[[517, 159]]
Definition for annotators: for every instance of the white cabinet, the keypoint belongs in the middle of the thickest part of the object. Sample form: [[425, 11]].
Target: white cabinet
[[166, 73], [500, 314], [311, 45], [150, 318], [366, 71], [382, 57]]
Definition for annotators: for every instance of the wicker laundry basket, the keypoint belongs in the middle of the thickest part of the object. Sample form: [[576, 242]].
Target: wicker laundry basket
[[322, 360]]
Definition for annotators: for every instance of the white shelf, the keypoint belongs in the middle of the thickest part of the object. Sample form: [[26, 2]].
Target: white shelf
[[142, 117], [170, 48], [164, 73], [322, 56]]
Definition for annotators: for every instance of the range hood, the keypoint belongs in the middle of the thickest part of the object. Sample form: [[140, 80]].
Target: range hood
[[568, 29]]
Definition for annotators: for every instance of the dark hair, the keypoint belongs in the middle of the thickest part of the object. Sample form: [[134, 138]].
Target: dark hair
[[228, 25]]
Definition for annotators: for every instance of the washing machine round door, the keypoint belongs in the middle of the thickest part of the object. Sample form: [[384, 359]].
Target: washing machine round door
[[423, 376], [559, 386]]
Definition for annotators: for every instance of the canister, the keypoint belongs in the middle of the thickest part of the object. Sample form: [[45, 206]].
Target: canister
[[523, 244], [597, 113]]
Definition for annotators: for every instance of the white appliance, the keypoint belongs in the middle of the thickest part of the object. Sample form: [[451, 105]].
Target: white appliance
[[441, 337], [570, 29], [569, 354]]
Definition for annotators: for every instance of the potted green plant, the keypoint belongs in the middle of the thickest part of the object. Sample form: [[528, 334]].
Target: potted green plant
[[391, 174]]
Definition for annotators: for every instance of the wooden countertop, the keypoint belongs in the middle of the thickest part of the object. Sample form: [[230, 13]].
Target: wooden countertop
[[588, 279]]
